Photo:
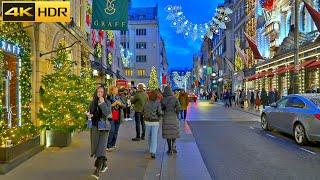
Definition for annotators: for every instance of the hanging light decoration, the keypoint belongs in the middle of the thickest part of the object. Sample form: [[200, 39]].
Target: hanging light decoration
[[180, 80], [125, 56], [195, 31]]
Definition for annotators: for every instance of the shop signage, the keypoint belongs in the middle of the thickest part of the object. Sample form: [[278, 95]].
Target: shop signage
[[9, 47], [110, 14]]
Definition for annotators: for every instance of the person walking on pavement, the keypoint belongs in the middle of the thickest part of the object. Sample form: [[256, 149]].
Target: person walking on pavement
[[117, 106], [258, 100], [264, 98], [184, 101], [126, 97], [230, 97], [152, 114], [139, 100], [271, 96], [170, 125], [252, 99], [242, 98], [226, 98], [99, 111]]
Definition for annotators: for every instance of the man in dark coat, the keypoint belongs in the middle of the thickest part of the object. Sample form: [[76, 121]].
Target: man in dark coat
[[139, 100], [264, 97]]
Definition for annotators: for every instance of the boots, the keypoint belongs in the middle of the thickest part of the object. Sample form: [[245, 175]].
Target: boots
[[174, 147], [169, 141]]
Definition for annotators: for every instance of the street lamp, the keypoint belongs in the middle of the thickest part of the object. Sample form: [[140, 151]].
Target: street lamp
[[204, 66], [296, 48], [214, 74]]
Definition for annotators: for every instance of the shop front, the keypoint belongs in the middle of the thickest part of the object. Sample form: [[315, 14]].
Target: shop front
[[277, 74]]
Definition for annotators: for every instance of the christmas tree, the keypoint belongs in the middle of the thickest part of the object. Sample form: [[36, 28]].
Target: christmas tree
[[65, 96], [153, 81]]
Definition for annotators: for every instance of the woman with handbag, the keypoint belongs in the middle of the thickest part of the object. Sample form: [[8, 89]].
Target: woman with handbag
[[99, 110], [117, 106]]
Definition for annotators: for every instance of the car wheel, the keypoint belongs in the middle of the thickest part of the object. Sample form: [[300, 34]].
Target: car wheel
[[264, 123], [300, 134]]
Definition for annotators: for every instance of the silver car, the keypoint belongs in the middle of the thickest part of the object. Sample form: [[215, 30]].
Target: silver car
[[297, 115]]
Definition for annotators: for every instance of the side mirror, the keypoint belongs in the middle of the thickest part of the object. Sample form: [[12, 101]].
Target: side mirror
[[274, 105]]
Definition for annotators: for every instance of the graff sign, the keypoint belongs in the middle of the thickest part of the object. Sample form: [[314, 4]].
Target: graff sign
[[9, 47]]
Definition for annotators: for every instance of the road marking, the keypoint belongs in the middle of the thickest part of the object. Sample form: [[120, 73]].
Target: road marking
[[271, 136], [251, 127], [306, 150]]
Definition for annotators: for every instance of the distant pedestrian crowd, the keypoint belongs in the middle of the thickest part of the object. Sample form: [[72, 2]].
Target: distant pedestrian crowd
[[149, 109]]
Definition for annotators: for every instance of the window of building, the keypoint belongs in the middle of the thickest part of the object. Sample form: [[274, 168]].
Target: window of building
[[129, 72], [141, 32], [123, 32], [142, 58], [141, 73], [141, 45], [125, 45]]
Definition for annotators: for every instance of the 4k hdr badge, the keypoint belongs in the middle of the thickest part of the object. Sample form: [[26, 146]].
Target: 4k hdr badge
[[36, 11]]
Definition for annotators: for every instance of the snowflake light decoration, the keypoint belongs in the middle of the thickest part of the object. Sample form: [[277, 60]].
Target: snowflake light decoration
[[125, 56], [180, 80], [195, 31]]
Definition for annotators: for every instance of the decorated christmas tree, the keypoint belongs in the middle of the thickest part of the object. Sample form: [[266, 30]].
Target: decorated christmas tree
[[65, 96], [153, 81]]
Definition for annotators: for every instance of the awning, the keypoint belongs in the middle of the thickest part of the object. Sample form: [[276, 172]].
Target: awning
[[305, 63], [262, 74], [314, 64], [290, 67], [253, 77]]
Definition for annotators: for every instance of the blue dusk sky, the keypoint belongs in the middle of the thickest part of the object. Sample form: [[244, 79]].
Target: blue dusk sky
[[179, 49]]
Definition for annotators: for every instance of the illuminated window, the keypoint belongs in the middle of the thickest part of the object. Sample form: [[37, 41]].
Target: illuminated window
[[141, 73], [129, 72]]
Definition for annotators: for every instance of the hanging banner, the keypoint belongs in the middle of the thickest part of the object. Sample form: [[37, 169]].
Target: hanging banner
[[110, 14]]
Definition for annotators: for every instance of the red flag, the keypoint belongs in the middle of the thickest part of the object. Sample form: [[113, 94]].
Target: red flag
[[269, 5], [315, 15], [253, 47], [164, 79], [101, 36]]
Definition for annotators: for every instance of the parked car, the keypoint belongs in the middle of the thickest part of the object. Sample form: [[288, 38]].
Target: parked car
[[297, 115], [193, 97]]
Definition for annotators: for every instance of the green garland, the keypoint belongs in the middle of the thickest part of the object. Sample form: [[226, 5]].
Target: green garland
[[8, 32]]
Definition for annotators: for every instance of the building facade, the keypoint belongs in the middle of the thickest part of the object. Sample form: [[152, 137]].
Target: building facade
[[143, 40]]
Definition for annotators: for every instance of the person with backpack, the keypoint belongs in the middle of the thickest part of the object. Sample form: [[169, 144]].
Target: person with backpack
[[152, 114]]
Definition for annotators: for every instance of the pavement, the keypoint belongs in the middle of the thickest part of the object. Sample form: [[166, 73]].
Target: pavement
[[131, 160]]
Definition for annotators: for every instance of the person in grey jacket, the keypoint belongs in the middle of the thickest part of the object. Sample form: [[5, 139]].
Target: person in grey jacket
[[170, 125], [99, 110], [152, 114]]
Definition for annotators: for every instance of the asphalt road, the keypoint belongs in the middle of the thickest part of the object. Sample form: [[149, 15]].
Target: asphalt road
[[233, 146]]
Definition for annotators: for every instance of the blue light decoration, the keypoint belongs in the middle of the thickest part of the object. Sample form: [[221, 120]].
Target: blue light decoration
[[194, 31]]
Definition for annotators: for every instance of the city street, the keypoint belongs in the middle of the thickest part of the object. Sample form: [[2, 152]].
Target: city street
[[234, 146], [231, 143]]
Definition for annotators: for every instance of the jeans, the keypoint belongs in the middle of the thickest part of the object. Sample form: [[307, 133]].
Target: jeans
[[126, 112], [152, 131], [113, 134], [183, 114], [139, 120]]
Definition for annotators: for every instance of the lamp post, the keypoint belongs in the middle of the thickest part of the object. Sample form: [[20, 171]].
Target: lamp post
[[295, 84]]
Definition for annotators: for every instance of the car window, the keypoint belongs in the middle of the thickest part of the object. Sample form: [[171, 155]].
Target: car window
[[295, 102], [282, 103], [315, 101]]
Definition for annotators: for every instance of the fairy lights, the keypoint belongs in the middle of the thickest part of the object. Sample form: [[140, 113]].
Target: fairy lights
[[125, 56], [180, 80], [195, 31]]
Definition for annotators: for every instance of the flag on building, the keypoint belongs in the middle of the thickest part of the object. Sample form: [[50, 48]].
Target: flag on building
[[242, 54], [219, 61], [253, 47], [230, 64], [110, 14], [315, 15]]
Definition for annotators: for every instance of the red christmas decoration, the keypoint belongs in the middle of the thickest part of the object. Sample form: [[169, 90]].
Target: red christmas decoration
[[101, 36], [111, 43]]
